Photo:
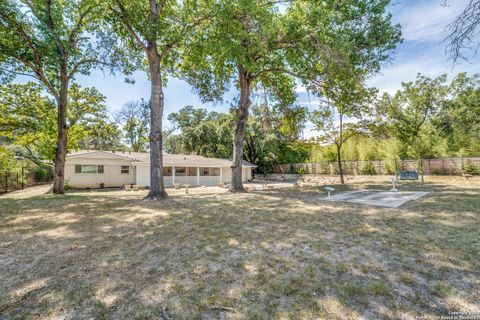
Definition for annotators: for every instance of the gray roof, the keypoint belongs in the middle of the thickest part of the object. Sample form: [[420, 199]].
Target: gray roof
[[168, 159]]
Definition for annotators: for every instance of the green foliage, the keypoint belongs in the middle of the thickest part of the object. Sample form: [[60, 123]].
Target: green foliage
[[43, 173], [300, 170], [161, 29], [391, 166], [39, 37], [253, 47], [267, 138], [202, 132], [271, 136], [471, 169], [134, 118], [368, 168], [30, 119], [407, 113], [340, 80], [67, 185], [100, 134], [381, 289], [293, 152], [7, 159], [458, 119]]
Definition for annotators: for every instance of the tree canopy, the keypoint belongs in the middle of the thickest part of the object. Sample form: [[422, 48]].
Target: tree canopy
[[51, 41]]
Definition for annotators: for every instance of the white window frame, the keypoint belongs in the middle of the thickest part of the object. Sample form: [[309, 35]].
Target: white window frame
[[122, 167], [89, 165]]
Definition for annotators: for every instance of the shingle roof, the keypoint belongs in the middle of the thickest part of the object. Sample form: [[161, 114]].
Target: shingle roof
[[168, 159]]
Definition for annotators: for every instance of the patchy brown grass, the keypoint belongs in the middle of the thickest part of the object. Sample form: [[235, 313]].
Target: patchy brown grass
[[278, 254]]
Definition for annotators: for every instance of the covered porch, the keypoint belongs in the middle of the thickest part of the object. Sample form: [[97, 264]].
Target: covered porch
[[182, 175], [193, 176]]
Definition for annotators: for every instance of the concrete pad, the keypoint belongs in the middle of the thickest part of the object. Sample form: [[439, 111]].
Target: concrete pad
[[379, 198]]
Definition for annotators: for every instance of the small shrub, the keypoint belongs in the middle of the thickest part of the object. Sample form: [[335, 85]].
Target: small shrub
[[390, 170], [43, 174], [407, 279], [380, 289], [441, 290], [368, 168], [352, 290], [454, 172], [342, 268], [437, 172], [331, 169], [471, 169], [66, 185], [300, 171]]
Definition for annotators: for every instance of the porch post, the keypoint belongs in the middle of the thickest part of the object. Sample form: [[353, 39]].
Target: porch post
[[173, 176], [198, 176], [221, 175]]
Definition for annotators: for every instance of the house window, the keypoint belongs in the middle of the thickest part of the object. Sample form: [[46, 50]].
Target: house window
[[125, 169], [215, 172], [191, 172], [167, 171], [210, 172], [88, 168], [180, 171]]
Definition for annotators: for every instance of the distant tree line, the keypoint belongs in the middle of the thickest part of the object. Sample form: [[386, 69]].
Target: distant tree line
[[428, 118]]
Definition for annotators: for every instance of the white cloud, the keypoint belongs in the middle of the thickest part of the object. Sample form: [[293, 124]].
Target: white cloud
[[431, 62], [426, 20]]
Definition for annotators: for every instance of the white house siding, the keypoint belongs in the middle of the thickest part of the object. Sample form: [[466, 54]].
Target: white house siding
[[227, 174], [209, 180], [143, 174], [139, 170], [186, 180], [246, 174], [111, 176], [143, 177]]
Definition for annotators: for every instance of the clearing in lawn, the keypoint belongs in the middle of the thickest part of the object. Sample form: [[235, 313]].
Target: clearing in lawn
[[278, 254], [380, 198]]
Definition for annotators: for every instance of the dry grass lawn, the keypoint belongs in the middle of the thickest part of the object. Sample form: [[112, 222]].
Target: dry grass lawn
[[276, 254]]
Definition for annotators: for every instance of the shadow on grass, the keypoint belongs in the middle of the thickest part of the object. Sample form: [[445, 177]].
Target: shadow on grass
[[277, 253]]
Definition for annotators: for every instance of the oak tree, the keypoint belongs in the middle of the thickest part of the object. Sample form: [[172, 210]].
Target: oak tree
[[155, 31], [51, 41]]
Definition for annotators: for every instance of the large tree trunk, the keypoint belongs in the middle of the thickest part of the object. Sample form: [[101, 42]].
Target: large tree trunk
[[242, 115], [61, 152], [157, 186]]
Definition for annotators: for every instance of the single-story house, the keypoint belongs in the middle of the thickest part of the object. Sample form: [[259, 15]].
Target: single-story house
[[95, 169]]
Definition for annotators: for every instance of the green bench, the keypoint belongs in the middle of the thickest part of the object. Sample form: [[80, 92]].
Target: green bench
[[408, 175]]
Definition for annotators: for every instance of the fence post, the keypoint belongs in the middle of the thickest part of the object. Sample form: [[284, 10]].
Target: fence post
[[23, 177], [395, 164], [6, 181]]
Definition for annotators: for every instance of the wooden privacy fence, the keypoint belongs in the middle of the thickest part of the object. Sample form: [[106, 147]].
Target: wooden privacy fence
[[441, 166]]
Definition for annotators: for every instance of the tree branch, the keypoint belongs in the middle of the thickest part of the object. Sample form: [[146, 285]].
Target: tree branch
[[123, 15]]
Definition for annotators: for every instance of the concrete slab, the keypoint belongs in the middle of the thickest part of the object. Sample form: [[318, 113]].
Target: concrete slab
[[378, 198]]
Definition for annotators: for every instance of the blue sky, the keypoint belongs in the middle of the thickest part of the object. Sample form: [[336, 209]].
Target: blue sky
[[422, 51]]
